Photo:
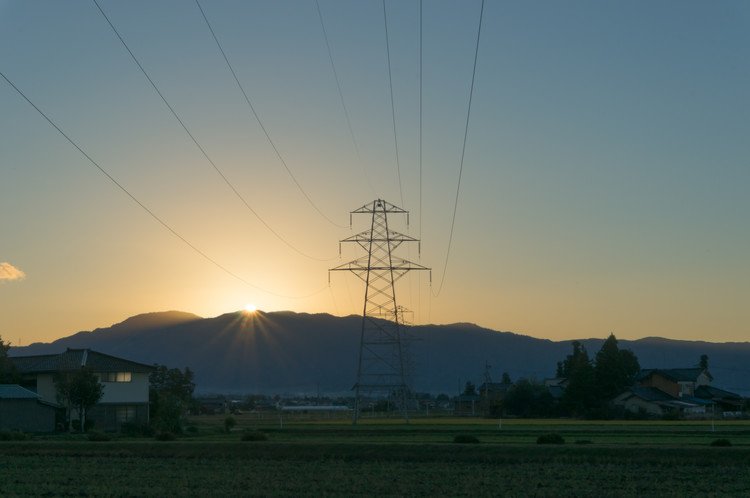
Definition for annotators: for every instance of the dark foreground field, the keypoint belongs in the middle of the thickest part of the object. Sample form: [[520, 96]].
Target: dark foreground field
[[338, 462]]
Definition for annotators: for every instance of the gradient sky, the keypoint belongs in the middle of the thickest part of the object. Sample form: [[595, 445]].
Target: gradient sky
[[605, 184]]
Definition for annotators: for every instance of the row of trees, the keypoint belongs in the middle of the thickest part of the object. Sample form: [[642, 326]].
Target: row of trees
[[592, 383]]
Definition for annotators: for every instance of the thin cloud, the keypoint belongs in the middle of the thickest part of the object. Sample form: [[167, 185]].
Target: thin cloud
[[10, 272]]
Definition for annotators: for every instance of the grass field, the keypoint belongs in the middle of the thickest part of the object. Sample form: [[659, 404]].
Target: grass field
[[385, 457]]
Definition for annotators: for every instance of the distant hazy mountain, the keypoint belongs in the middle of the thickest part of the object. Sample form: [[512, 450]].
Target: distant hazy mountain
[[285, 352]]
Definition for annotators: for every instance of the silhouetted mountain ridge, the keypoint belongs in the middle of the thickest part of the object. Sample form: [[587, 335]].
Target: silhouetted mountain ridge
[[287, 352]]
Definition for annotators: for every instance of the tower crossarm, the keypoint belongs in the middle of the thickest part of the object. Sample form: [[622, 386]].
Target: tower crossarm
[[379, 206], [397, 264], [393, 236]]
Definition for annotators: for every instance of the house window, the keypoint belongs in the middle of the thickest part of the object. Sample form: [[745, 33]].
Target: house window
[[125, 414], [116, 376]]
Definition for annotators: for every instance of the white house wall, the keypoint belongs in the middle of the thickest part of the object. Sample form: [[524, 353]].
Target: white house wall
[[135, 391], [45, 387]]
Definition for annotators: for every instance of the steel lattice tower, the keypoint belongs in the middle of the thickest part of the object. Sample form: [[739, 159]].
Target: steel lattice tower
[[381, 367]]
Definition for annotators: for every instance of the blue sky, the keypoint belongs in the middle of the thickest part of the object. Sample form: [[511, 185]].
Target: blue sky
[[604, 185]]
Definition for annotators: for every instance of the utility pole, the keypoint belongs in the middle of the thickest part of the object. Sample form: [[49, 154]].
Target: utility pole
[[381, 365]]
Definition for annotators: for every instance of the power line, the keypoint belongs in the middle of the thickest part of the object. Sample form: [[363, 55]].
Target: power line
[[463, 150], [262, 126], [420, 150], [341, 97], [200, 147], [420, 119], [153, 215], [393, 107]]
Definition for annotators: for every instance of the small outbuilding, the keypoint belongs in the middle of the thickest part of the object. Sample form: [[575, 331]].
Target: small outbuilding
[[24, 410]]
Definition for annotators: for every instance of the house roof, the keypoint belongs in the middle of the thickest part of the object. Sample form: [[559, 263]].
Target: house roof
[[675, 374], [73, 359], [651, 394], [710, 392], [14, 391], [655, 395]]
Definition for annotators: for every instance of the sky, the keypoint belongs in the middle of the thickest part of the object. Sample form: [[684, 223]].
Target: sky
[[604, 184]]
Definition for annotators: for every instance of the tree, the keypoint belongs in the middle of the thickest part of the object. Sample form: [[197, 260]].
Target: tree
[[80, 390], [470, 389], [615, 369], [527, 398], [580, 395], [506, 381], [170, 396], [704, 362], [7, 371]]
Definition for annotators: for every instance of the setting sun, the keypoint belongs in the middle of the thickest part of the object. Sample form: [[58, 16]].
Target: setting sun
[[250, 308]]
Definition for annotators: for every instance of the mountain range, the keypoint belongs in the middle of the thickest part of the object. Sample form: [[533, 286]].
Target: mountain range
[[297, 353]]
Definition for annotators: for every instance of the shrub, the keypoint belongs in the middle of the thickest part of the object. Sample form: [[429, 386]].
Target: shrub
[[253, 436], [191, 429], [133, 429], [76, 424], [98, 436], [165, 436], [552, 438], [130, 429], [229, 423], [465, 439], [14, 436], [721, 442]]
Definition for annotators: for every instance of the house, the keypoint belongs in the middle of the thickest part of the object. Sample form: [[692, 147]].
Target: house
[[23, 410], [684, 392], [653, 401], [125, 383], [728, 403], [676, 382]]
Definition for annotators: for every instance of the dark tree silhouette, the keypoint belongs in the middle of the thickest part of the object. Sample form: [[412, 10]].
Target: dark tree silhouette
[[527, 398], [615, 369], [170, 395], [80, 390], [470, 389], [580, 395], [506, 381], [7, 372], [704, 361]]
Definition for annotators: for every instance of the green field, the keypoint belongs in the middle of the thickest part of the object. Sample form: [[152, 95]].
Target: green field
[[386, 457]]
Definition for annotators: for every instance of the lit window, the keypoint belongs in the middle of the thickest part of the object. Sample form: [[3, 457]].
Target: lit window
[[116, 377]]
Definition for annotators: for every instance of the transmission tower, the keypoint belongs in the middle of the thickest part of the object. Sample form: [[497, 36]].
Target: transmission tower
[[381, 367]]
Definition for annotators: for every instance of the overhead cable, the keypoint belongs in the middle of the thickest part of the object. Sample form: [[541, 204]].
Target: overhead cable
[[343, 102], [148, 210], [463, 151], [200, 147], [260, 123], [393, 107]]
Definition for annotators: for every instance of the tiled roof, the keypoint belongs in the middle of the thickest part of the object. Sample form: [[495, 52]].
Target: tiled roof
[[651, 394], [675, 374], [709, 392], [73, 359], [14, 391]]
